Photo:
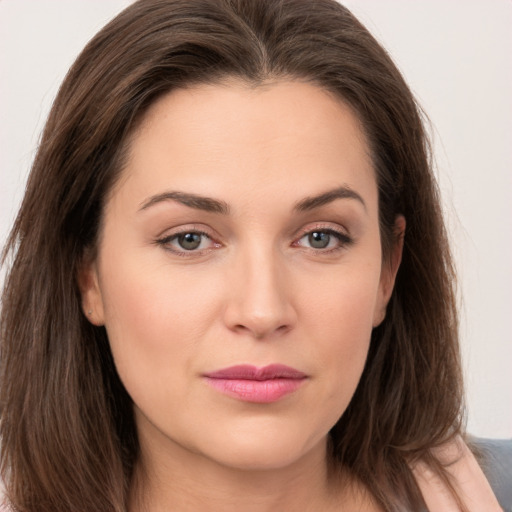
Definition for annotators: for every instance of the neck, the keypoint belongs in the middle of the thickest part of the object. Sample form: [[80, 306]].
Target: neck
[[181, 480]]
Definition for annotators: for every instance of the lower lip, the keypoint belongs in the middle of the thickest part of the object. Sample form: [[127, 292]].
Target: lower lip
[[258, 391]]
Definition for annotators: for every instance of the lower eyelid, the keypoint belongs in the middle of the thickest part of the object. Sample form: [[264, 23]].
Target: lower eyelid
[[343, 239], [165, 241]]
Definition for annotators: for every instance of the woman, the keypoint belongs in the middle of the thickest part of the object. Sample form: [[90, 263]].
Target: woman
[[226, 270]]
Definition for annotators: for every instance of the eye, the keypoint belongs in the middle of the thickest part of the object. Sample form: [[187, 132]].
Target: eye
[[187, 242], [324, 239], [319, 239]]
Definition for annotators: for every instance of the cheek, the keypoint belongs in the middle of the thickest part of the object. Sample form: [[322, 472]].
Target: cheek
[[342, 307], [340, 321], [156, 320]]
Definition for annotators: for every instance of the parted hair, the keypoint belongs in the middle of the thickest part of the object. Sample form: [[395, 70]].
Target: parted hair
[[68, 437]]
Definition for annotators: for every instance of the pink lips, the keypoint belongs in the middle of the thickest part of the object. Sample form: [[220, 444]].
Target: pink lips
[[260, 385]]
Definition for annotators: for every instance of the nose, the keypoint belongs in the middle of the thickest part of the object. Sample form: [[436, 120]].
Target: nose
[[260, 296]]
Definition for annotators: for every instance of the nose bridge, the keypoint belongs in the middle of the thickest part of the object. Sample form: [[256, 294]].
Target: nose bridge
[[261, 302]]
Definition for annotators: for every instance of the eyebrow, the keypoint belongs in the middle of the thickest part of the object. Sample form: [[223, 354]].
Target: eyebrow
[[191, 200], [343, 192], [211, 205]]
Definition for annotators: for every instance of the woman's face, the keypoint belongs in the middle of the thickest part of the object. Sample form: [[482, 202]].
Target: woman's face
[[239, 271]]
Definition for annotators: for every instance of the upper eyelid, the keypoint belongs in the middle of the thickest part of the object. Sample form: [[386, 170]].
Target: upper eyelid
[[329, 231], [340, 235], [165, 242], [207, 231], [345, 238], [172, 236], [212, 234], [188, 228], [323, 226]]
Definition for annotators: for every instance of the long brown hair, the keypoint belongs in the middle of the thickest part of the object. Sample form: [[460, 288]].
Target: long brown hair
[[68, 435]]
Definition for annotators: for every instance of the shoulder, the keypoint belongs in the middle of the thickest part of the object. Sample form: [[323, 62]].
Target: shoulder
[[495, 457], [466, 475]]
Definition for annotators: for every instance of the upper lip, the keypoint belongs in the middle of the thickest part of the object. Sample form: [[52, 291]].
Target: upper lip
[[249, 372]]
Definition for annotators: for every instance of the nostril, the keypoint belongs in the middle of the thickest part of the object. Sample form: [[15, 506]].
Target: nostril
[[260, 332]]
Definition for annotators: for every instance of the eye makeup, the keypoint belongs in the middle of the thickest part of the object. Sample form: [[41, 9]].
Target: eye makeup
[[188, 242], [323, 239], [193, 242]]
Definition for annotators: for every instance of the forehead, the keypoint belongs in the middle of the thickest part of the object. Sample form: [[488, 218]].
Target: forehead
[[229, 138]]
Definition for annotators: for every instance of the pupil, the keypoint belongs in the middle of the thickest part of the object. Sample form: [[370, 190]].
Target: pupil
[[189, 241], [319, 240]]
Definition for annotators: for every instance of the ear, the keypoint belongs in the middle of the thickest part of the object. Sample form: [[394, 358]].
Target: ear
[[90, 291], [389, 271]]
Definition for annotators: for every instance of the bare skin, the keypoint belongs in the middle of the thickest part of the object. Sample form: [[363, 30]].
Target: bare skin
[[243, 231], [305, 486]]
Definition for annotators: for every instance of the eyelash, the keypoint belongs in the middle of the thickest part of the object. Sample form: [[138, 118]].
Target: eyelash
[[343, 239], [166, 240]]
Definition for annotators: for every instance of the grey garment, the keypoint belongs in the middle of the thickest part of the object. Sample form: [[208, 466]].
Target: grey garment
[[496, 463]]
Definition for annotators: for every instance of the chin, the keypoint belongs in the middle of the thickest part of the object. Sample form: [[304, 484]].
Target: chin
[[266, 450]]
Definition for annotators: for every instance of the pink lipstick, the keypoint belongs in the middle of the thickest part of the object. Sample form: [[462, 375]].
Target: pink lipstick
[[259, 385]]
